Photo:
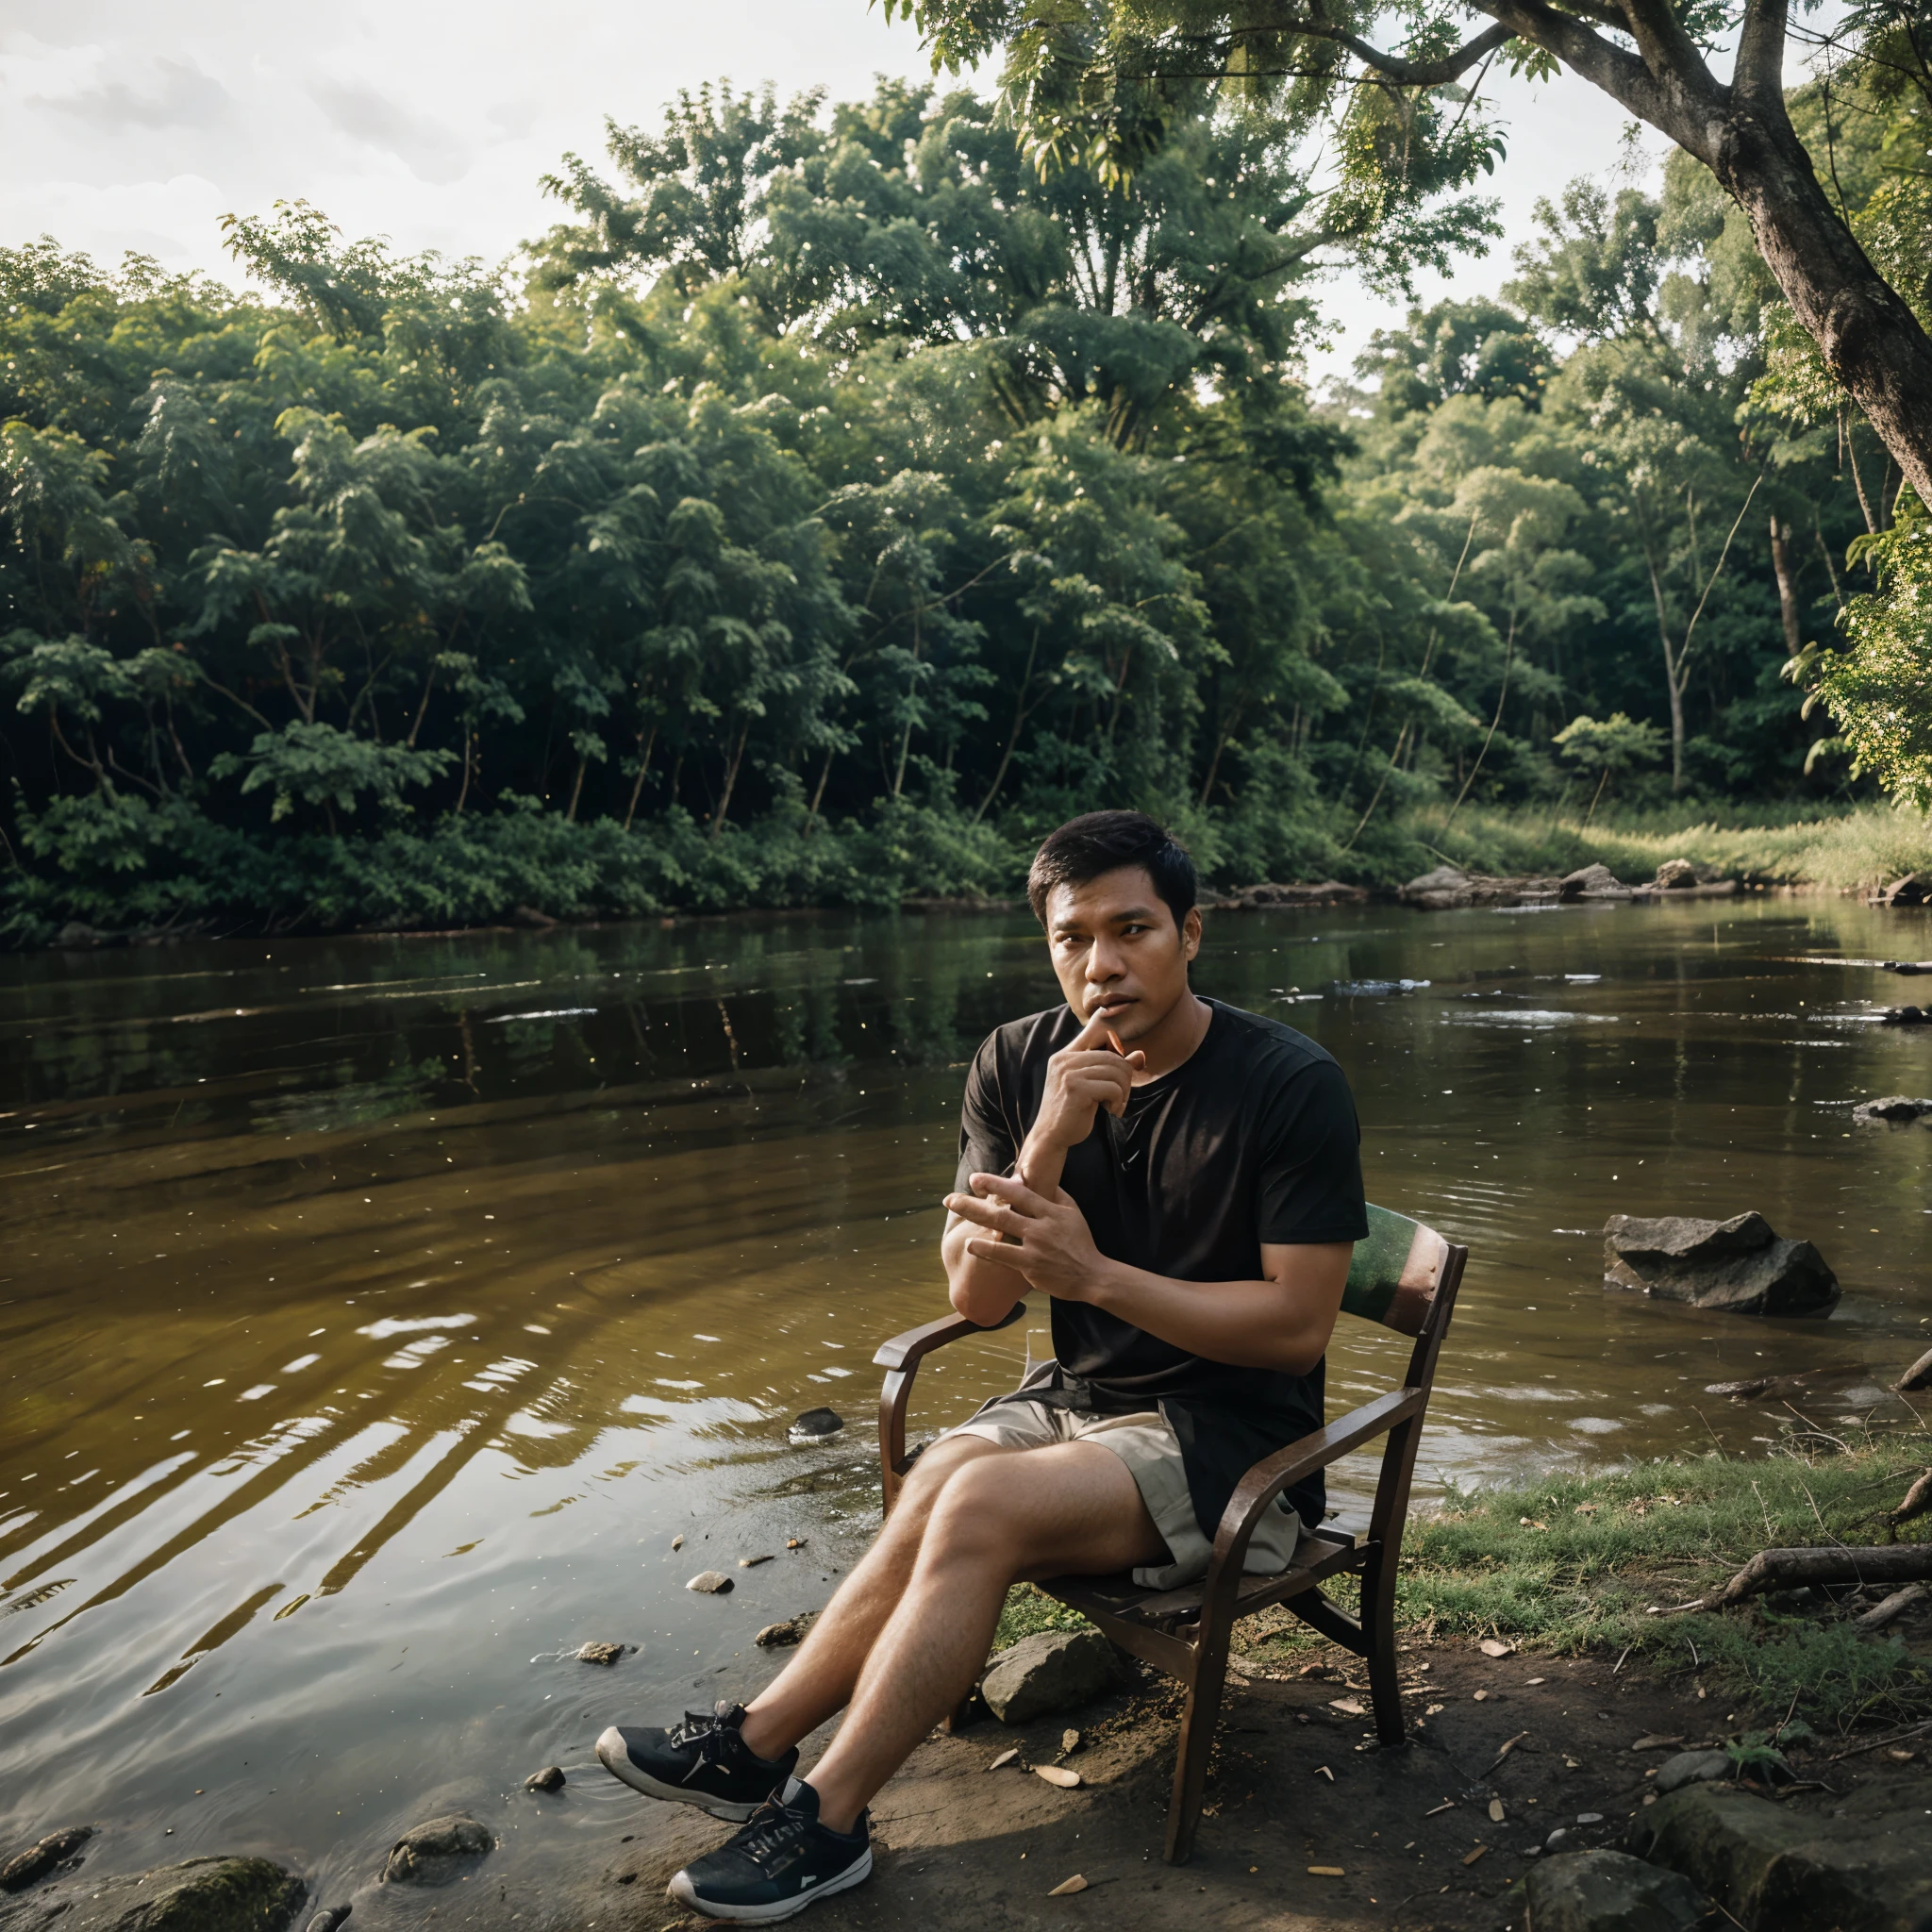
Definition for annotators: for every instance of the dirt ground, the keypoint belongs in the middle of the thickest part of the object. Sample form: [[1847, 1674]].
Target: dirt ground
[[1296, 1783]]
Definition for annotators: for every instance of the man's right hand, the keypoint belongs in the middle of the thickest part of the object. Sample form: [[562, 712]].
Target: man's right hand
[[1085, 1075]]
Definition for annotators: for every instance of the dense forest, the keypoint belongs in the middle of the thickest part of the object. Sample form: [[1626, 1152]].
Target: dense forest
[[839, 497]]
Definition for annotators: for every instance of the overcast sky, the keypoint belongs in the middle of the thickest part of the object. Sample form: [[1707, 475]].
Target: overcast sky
[[138, 126]]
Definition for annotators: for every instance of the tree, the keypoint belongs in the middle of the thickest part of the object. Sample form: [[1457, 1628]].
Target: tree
[[1606, 745], [1066, 58]]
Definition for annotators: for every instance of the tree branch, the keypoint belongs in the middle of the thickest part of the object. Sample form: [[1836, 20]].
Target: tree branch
[[1757, 74], [1437, 73]]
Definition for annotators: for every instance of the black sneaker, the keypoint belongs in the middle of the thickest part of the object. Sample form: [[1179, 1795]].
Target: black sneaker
[[703, 1761], [778, 1864]]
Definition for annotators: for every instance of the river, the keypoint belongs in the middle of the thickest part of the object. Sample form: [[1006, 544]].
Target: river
[[378, 1310]]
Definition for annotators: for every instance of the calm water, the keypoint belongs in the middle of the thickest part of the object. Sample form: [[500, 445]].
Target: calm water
[[377, 1311]]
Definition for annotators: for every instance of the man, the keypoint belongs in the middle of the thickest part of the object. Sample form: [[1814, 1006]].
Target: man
[[1184, 1180]]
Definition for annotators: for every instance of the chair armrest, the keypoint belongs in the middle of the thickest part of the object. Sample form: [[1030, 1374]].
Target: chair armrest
[[1273, 1474], [907, 1350], [900, 1358]]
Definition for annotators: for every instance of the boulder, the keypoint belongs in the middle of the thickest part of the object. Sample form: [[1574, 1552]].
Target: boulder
[[1861, 1862], [1592, 881], [202, 1895], [1692, 1768], [1893, 1107], [1051, 1671], [1675, 876], [1610, 1891], [1441, 890], [37, 1860], [1736, 1266], [438, 1851]]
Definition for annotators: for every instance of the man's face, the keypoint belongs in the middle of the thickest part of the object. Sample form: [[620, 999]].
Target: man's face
[[1116, 950]]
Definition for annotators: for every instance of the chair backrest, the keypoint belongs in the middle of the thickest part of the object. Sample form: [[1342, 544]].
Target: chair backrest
[[1395, 1272]]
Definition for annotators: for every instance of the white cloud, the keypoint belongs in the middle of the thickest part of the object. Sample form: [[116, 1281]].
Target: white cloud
[[430, 151]]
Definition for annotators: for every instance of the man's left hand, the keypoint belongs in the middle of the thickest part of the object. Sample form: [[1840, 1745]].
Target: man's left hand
[[1047, 1241]]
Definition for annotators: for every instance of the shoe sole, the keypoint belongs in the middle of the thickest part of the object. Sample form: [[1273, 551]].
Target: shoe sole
[[616, 1760], [686, 1893]]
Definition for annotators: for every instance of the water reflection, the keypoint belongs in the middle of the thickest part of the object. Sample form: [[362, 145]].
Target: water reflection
[[378, 1310]]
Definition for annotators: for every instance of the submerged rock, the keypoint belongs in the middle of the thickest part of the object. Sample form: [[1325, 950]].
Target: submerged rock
[[601, 1652], [202, 1895], [37, 1860], [549, 1779], [1893, 1107], [815, 1424], [1612, 1891], [1051, 1671], [1906, 1016], [1738, 1266], [435, 1852]]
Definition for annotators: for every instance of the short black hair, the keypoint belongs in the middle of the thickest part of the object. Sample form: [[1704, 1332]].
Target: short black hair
[[1097, 843]]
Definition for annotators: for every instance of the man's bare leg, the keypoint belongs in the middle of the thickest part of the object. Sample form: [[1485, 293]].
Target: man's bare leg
[[819, 1681], [1073, 1506]]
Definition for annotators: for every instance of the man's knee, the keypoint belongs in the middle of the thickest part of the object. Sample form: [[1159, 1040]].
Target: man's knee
[[972, 1518]]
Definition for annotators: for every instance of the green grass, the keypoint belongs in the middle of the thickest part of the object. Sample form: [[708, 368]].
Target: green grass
[[1575, 1562], [1766, 845]]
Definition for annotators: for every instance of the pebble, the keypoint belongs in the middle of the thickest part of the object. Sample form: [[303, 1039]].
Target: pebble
[[1070, 1743], [1054, 1774], [709, 1583], [677, 1543], [549, 1779], [1066, 1885], [1589, 1817], [779, 1636]]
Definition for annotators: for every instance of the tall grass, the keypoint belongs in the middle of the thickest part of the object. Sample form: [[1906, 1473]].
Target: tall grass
[[1764, 844]]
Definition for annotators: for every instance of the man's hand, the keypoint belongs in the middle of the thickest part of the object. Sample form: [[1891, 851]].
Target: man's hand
[[1088, 1073], [1046, 1242]]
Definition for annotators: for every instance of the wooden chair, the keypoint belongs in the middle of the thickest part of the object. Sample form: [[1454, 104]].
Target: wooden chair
[[1404, 1276]]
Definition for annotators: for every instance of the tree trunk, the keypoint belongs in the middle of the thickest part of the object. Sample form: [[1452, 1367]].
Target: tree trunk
[[730, 781], [645, 747], [1787, 585]]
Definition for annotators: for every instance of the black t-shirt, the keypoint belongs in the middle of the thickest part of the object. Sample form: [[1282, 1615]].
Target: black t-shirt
[[1252, 1138]]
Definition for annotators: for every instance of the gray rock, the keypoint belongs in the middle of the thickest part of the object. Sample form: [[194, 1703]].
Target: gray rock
[[1692, 1768], [1051, 1671], [202, 1895], [1441, 890], [1864, 1865], [1592, 881], [1674, 875], [435, 1852], [710, 1583], [37, 1860], [1893, 1107], [1610, 1891], [549, 1779], [815, 1424], [1738, 1266]]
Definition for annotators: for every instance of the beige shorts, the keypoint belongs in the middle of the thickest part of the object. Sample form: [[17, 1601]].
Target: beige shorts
[[1148, 1447]]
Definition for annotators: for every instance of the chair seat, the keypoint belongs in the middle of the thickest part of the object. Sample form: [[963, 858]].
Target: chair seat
[[1319, 1555]]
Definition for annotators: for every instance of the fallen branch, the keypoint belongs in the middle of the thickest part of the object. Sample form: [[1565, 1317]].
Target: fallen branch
[[1918, 1376], [1794, 1569], [1501, 1755], [1918, 1500], [1894, 1606], [1879, 1743]]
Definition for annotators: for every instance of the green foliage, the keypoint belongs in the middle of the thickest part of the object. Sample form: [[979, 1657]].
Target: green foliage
[[853, 490]]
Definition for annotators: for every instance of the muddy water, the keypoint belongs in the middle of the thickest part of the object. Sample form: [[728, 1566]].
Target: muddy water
[[376, 1312]]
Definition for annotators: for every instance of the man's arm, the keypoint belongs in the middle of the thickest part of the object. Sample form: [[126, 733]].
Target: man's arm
[[1281, 1322], [1085, 1075]]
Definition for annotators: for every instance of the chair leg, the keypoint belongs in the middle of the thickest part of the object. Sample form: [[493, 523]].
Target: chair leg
[[1378, 1630], [1197, 1743]]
